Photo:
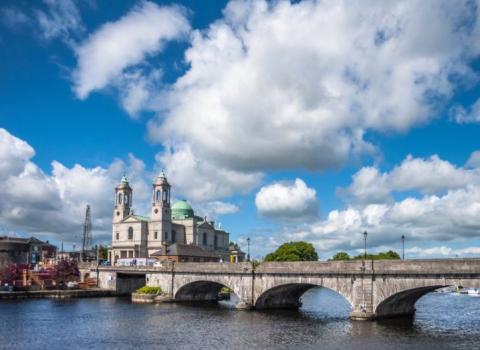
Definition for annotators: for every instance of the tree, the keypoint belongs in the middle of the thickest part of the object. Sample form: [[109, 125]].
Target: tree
[[103, 252], [293, 251], [390, 255], [341, 256], [65, 271]]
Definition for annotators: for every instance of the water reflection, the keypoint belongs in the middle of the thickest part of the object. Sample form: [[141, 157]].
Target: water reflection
[[322, 322]]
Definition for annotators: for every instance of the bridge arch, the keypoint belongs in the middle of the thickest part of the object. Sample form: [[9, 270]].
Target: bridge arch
[[202, 290], [403, 302], [288, 295]]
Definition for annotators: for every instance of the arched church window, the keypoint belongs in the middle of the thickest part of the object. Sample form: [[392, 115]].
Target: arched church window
[[119, 198], [117, 236], [215, 242], [126, 199], [130, 233], [165, 196], [174, 236], [158, 196], [204, 238]]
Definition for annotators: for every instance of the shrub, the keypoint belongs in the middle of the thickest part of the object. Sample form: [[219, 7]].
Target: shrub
[[150, 290]]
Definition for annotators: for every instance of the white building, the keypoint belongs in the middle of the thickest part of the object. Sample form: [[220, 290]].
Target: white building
[[136, 236]]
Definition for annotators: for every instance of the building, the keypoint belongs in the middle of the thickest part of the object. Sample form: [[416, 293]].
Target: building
[[14, 250], [137, 236]]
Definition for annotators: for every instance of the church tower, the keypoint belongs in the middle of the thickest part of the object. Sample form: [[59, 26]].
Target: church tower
[[161, 216], [123, 200]]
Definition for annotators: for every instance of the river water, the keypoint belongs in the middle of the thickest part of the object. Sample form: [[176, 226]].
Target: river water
[[442, 321]]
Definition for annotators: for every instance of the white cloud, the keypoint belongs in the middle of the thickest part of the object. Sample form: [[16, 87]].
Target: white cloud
[[429, 176], [442, 251], [61, 18], [474, 160], [54, 204], [13, 18], [443, 207], [14, 154], [296, 85], [105, 55], [287, 200], [467, 115], [215, 208], [201, 180]]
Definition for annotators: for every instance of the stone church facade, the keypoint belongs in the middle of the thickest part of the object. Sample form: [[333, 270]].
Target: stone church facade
[[136, 236]]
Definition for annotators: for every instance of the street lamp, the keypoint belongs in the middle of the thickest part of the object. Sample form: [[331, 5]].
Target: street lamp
[[403, 247], [365, 242], [165, 244], [248, 248]]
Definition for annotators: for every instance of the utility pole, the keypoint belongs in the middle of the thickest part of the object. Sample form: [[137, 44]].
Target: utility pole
[[248, 249], [403, 247]]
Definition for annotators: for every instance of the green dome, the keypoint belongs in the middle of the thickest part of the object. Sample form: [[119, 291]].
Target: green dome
[[182, 210]]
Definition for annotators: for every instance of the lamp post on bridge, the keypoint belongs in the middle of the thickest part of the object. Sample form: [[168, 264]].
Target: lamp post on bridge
[[248, 248], [365, 234], [403, 247]]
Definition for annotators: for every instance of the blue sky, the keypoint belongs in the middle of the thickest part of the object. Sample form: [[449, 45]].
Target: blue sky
[[283, 121]]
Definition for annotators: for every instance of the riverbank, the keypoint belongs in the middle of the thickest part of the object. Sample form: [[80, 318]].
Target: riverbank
[[58, 294]]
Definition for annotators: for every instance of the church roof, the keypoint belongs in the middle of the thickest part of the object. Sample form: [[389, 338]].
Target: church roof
[[182, 210], [141, 217]]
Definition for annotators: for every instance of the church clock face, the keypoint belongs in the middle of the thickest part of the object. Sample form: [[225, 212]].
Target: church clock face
[[118, 213]]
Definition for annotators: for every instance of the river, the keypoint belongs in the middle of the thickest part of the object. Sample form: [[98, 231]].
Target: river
[[442, 321]]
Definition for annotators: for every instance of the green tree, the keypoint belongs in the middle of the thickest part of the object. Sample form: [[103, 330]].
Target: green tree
[[341, 256], [390, 255], [103, 252], [293, 251]]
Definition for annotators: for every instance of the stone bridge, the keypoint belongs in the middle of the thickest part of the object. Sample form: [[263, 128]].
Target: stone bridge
[[374, 288]]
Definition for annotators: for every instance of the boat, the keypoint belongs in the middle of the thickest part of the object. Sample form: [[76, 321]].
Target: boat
[[473, 291]]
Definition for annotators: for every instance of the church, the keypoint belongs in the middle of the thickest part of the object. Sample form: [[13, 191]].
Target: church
[[170, 232]]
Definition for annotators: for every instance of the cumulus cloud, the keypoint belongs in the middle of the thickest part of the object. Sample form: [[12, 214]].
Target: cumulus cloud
[[467, 115], [445, 210], [54, 204], [281, 85], [202, 180], [287, 200], [442, 251], [429, 176], [107, 54], [60, 19]]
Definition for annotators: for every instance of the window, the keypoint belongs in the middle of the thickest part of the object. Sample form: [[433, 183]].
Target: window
[[215, 242], [204, 238], [174, 236], [119, 198], [158, 196], [117, 236], [130, 233], [126, 199], [155, 235], [130, 254], [165, 196]]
